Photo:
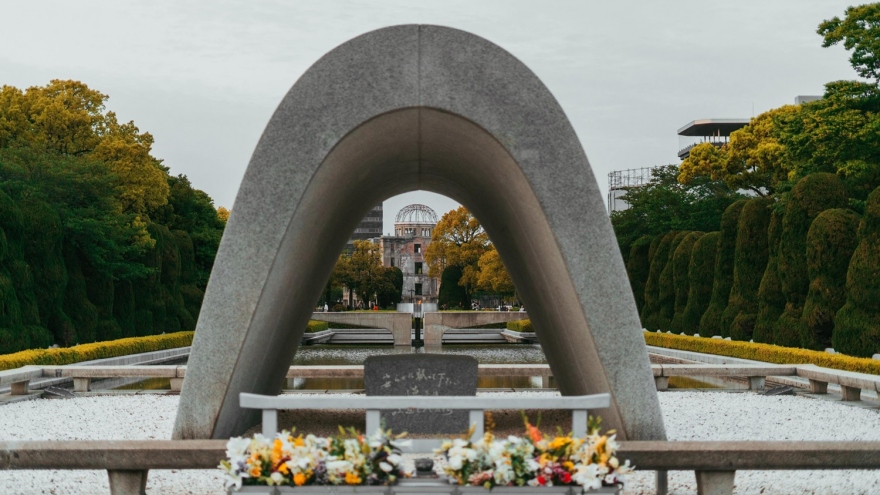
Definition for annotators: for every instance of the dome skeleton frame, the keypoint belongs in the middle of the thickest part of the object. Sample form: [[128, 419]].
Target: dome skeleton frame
[[416, 214]]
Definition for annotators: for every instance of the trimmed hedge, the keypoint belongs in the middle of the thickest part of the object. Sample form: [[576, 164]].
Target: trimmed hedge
[[315, 326], [831, 240], [809, 197], [750, 262], [520, 326], [667, 285], [702, 262], [97, 350], [680, 275], [710, 323], [771, 302], [763, 352], [857, 324], [651, 311], [638, 264]]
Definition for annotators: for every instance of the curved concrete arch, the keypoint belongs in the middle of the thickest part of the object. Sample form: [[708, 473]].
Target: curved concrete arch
[[394, 110]]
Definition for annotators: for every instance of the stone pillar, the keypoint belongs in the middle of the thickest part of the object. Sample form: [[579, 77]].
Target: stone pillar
[[851, 394], [127, 482], [715, 482], [19, 388], [81, 384]]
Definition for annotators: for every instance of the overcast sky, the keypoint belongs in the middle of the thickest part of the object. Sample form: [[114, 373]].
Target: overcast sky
[[204, 77]]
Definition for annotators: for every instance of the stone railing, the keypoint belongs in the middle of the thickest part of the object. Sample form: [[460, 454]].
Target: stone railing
[[715, 463], [851, 383], [270, 405]]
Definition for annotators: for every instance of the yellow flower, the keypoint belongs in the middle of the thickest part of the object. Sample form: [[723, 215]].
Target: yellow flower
[[600, 445], [255, 471], [352, 479], [298, 441], [283, 469], [568, 465], [299, 479], [558, 442]]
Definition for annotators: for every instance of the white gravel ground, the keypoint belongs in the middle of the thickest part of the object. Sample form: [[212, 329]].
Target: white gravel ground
[[688, 416]]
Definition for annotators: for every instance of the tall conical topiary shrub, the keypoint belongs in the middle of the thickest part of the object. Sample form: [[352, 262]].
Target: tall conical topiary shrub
[[451, 295], [771, 302], [831, 240], [750, 262], [667, 285], [681, 262], [638, 264], [700, 271], [857, 324], [41, 242], [77, 305], [651, 311], [710, 323], [192, 295], [809, 197]]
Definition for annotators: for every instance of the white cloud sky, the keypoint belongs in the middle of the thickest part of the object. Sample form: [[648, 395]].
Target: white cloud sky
[[204, 77]]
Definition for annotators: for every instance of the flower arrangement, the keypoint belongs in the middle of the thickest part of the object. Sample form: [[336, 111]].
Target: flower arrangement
[[346, 459], [536, 459]]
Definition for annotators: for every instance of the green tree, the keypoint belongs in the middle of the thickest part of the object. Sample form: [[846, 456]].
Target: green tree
[[363, 273], [665, 204], [859, 31], [452, 295], [391, 293]]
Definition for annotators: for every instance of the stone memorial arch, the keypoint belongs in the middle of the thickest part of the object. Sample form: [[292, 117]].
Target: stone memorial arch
[[417, 107]]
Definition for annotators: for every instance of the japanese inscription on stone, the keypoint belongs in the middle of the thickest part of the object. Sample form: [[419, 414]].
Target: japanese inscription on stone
[[422, 374]]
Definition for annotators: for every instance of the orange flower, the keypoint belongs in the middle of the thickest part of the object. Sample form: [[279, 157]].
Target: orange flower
[[534, 433], [299, 479], [255, 471], [352, 479], [283, 469]]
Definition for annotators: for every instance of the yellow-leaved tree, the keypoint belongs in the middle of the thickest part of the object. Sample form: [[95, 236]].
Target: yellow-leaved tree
[[493, 274], [753, 159], [458, 239], [70, 118]]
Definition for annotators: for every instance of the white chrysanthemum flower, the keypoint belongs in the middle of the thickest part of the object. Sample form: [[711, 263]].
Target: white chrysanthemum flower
[[384, 466], [588, 476], [236, 447]]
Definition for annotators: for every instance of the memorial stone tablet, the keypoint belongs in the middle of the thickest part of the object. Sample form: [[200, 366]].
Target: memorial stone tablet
[[422, 374]]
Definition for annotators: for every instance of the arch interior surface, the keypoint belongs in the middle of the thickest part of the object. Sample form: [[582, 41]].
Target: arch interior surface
[[406, 108]]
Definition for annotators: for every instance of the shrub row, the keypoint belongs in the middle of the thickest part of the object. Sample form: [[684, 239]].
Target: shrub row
[[317, 326], [520, 326], [97, 350], [802, 272], [763, 352]]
